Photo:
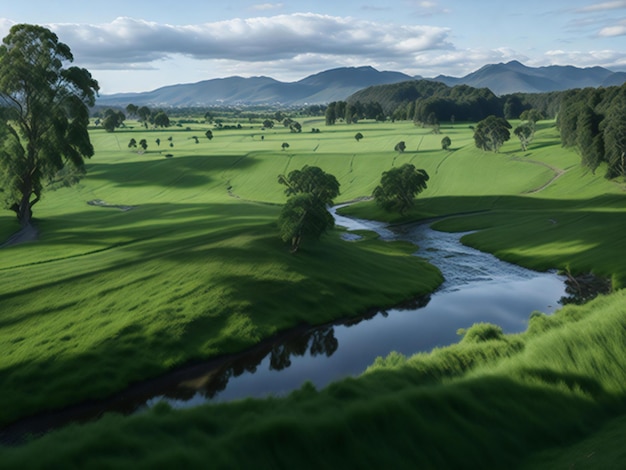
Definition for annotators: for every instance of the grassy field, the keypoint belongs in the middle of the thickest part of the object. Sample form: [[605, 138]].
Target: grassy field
[[185, 263]]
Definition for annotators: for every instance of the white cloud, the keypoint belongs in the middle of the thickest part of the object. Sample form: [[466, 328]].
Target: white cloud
[[611, 59], [132, 41], [267, 6], [603, 6], [614, 30]]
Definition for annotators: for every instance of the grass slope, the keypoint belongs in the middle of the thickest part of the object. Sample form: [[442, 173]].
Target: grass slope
[[195, 269]]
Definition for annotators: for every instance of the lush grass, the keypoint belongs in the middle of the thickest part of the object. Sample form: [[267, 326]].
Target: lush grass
[[488, 402], [108, 297]]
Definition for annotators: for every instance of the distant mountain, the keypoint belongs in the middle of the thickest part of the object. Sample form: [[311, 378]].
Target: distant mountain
[[515, 77], [324, 87], [340, 83]]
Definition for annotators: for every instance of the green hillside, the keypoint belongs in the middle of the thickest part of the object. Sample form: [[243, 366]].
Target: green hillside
[[153, 261]]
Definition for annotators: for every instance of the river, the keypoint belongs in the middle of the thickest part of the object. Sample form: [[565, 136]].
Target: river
[[477, 288]]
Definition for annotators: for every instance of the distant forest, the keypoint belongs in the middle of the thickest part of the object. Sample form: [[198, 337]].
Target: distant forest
[[593, 120]]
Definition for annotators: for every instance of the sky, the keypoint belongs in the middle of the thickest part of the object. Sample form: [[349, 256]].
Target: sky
[[136, 45]]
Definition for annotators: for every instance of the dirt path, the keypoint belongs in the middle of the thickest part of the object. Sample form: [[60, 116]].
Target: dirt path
[[557, 174]]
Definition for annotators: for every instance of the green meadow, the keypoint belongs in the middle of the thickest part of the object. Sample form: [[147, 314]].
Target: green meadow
[[180, 260]]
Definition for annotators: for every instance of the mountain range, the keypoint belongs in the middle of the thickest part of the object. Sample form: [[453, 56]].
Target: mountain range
[[340, 83]]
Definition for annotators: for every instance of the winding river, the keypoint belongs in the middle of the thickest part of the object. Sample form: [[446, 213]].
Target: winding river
[[478, 288]]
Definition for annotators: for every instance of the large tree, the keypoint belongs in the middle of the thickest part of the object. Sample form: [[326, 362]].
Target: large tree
[[305, 215], [44, 118], [311, 180], [399, 186], [491, 133]]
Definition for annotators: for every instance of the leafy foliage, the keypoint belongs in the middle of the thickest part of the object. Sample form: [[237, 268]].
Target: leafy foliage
[[491, 133], [44, 123], [304, 215], [311, 180], [399, 186], [310, 190]]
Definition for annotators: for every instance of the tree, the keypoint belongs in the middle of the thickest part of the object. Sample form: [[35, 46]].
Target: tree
[[158, 142], [330, 114], [446, 143], [132, 109], [268, 124], [209, 134], [144, 114], [161, 119], [614, 133], [143, 143], [305, 215], [525, 134], [284, 145], [358, 136], [531, 115], [400, 146], [112, 120], [491, 133], [398, 188], [43, 126], [311, 180], [132, 144]]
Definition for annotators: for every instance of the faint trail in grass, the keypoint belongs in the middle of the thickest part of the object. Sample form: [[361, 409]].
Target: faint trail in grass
[[557, 174], [442, 161]]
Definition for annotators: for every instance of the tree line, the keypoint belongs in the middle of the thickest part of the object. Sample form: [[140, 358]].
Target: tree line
[[593, 120]]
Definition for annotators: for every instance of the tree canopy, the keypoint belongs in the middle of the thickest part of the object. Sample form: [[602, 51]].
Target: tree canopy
[[44, 118], [311, 180], [305, 215], [491, 133], [399, 186]]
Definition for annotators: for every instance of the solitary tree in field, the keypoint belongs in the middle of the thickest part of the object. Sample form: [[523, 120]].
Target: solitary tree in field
[[400, 146], [358, 136], [132, 144], [446, 143], [158, 142], [399, 186], [305, 215], [311, 180], [44, 116], [268, 123], [209, 134], [491, 133], [143, 143], [285, 145]]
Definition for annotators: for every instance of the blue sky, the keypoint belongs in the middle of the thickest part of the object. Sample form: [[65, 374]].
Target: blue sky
[[142, 45]]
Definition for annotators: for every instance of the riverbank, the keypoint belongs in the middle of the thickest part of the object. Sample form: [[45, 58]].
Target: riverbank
[[507, 397]]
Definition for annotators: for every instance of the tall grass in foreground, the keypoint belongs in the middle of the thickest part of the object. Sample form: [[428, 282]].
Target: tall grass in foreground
[[490, 401]]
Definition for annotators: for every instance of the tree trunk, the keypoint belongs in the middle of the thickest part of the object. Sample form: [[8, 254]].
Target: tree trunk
[[24, 210]]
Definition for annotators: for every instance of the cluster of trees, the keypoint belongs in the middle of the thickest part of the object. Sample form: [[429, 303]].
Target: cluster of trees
[[352, 112], [114, 118], [594, 122], [491, 133], [427, 102], [44, 117]]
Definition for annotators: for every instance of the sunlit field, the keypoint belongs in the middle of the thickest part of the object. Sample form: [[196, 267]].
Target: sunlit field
[[161, 257]]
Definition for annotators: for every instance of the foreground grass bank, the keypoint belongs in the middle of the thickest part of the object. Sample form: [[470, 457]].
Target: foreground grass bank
[[489, 402]]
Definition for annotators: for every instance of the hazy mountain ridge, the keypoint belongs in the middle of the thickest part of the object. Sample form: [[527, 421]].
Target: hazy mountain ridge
[[340, 83]]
